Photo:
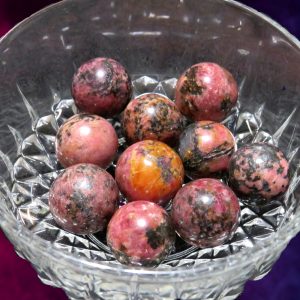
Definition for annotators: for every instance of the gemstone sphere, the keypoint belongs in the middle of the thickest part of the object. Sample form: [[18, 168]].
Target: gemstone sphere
[[86, 138], [149, 170], [205, 148], [206, 91], [140, 233], [259, 170], [205, 212], [152, 117], [83, 198], [101, 86]]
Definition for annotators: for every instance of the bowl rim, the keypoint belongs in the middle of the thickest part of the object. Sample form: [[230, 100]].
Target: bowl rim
[[80, 264]]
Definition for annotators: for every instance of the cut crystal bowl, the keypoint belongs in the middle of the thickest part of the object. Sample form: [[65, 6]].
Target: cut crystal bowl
[[156, 41]]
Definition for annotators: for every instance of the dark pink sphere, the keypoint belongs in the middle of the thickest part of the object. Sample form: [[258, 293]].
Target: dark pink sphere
[[205, 148], [140, 233], [259, 170], [86, 138], [152, 117], [83, 198], [206, 91], [101, 86], [205, 212]]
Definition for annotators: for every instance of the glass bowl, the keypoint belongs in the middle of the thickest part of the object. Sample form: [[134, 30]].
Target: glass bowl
[[156, 42]]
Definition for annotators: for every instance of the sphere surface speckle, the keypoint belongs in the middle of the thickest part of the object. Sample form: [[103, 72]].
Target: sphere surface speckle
[[206, 91], [152, 117], [205, 212], [259, 169], [101, 86], [83, 198], [205, 148], [86, 138], [140, 233], [149, 170]]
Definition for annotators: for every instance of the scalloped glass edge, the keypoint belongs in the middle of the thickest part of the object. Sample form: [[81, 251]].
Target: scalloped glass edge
[[245, 257]]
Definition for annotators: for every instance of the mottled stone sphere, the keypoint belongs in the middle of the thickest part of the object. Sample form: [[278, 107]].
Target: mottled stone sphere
[[259, 170], [149, 170], [140, 233], [205, 212], [205, 148], [206, 91], [152, 117], [86, 138], [83, 198], [101, 86]]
